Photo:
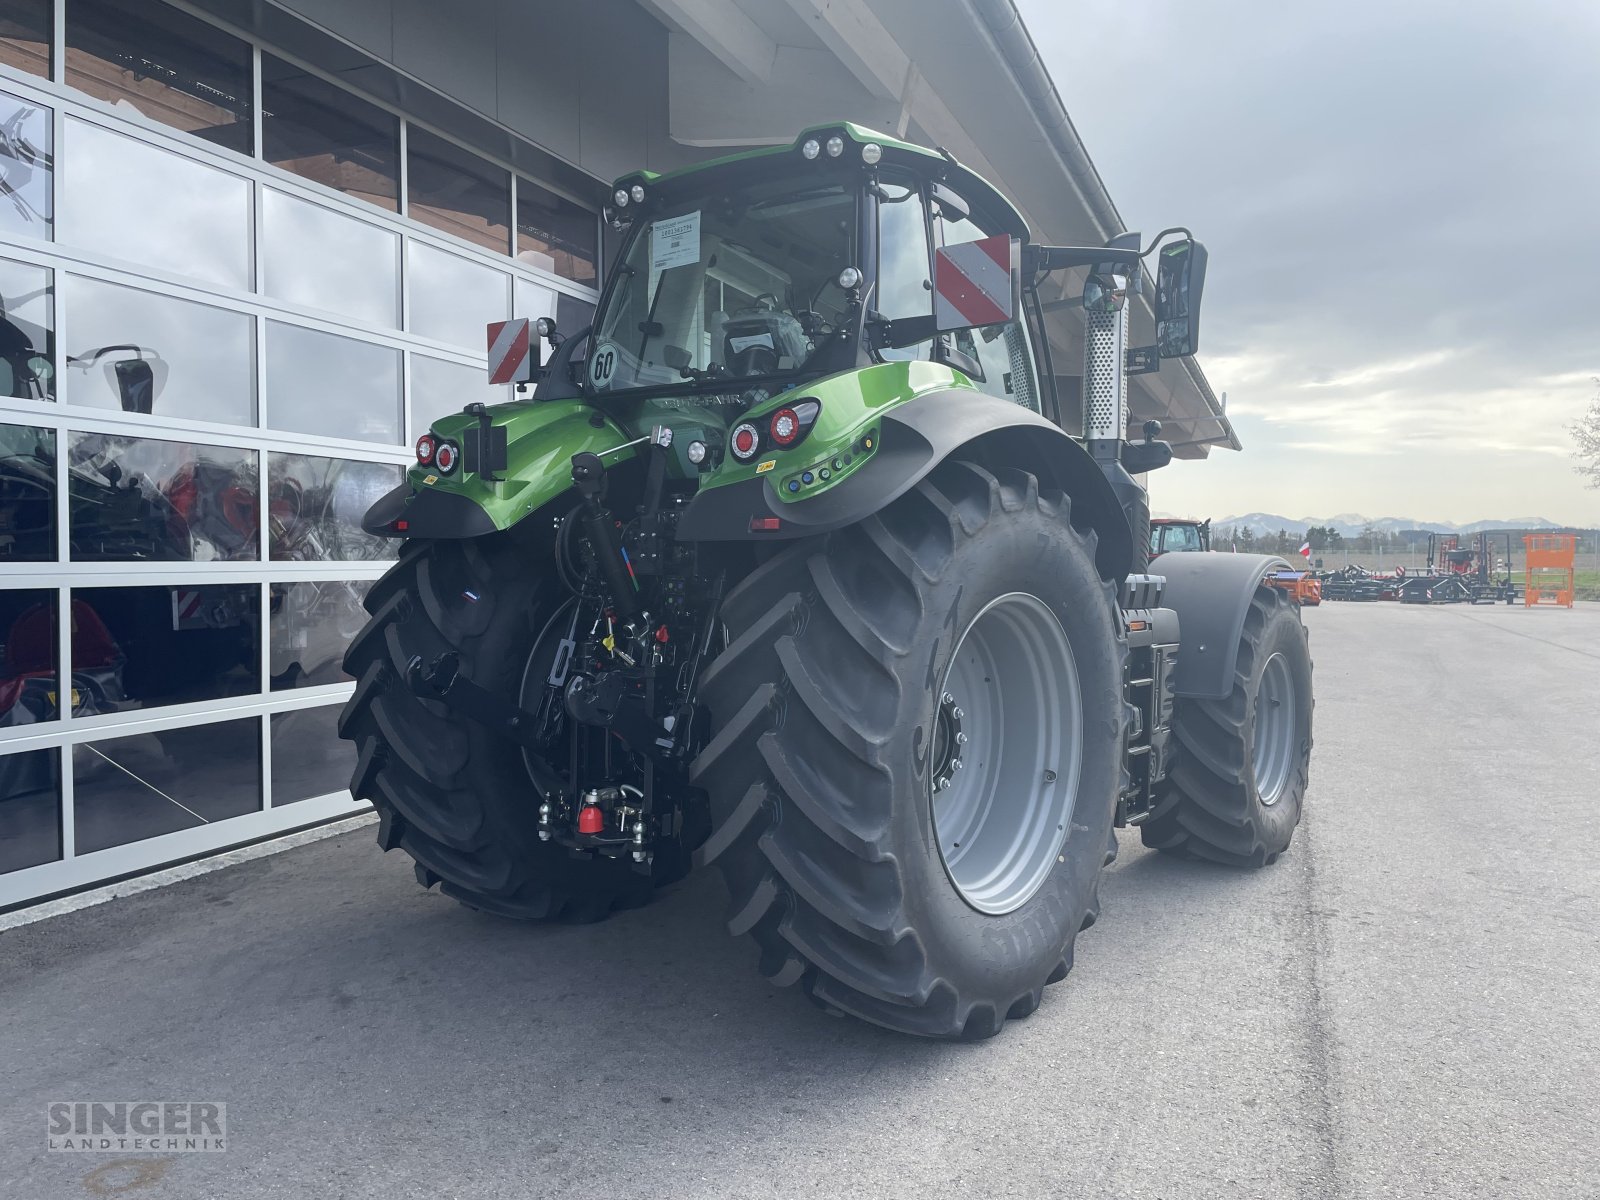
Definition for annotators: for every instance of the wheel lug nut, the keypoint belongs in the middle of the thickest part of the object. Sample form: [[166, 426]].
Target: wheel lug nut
[[947, 698], [957, 765], [958, 714], [961, 739]]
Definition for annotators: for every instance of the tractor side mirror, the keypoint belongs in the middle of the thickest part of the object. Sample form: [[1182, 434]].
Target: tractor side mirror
[[138, 380], [1179, 279], [977, 283]]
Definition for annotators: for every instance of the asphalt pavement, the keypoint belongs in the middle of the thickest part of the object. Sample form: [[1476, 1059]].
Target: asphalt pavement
[[1407, 1004]]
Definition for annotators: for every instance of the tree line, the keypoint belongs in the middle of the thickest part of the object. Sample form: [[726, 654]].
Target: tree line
[[1323, 538]]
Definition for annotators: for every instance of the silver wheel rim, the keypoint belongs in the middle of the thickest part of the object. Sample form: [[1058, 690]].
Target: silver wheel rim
[[1273, 753], [1006, 755]]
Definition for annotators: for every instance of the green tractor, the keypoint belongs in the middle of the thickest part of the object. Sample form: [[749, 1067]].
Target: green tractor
[[788, 566]]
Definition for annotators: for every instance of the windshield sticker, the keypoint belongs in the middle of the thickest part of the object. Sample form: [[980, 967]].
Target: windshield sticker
[[675, 242], [741, 344], [602, 365]]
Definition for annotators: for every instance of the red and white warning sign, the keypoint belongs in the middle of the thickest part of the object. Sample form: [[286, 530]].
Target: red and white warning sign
[[974, 283], [511, 358], [186, 606]]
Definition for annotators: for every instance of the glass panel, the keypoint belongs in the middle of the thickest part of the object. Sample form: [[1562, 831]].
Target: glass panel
[[25, 35], [556, 235], [140, 498], [27, 494], [319, 130], [165, 64], [904, 288], [28, 655], [131, 788], [27, 331], [744, 288], [311, 624], [533, 300], [168, 645], [26, 163], [573, 316], [198, 360], [453, 299], [1004, 358], [318, 503], [30, 809], [324, 259], [134, 201], [309, 758], [331, 386], [439, 388], [454, 190]]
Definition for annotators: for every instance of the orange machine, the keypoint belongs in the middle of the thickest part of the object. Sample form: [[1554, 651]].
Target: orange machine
[[1303, 587], [1550, 568]]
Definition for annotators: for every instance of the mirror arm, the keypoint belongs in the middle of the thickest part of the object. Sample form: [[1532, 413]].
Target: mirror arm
[[1037, 259]]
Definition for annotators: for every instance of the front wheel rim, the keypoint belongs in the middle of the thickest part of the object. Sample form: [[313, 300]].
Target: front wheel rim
[[1007, 753], [1275, 718]]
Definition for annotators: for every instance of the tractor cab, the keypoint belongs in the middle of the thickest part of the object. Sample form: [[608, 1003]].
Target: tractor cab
[[739, 281], [1169, 535]]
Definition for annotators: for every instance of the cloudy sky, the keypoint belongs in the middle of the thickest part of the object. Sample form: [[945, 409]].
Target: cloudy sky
[[1400, 201]]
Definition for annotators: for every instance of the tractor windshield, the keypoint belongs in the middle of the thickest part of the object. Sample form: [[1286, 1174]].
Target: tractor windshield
[[741, 286]]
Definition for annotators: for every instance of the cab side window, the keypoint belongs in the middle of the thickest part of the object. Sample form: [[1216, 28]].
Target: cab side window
[[905, 287], [1001, 352]]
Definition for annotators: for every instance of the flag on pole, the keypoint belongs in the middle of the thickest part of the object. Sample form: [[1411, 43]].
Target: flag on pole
[[1305, 550]]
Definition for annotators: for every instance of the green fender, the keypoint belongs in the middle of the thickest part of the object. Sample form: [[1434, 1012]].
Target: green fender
[[914, 437], [541, 439]]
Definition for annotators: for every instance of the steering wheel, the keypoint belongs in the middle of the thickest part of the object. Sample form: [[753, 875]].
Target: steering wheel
[[766, 302]]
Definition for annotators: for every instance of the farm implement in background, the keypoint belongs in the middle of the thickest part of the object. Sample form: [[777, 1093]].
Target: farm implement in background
[[1456, 574]]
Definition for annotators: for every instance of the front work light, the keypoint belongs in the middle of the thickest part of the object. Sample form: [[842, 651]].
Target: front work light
[[637, 193], [835, 146], [871, 153], [621, 197], [810, 149], [849, 278]]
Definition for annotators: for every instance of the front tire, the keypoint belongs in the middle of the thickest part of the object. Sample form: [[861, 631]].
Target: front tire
[[1237, 787], [831, 726]]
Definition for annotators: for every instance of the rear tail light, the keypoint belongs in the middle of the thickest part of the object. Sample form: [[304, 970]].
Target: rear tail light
[[785, 427], [425, 449], [444, 457], [745, 441], [789, 425]]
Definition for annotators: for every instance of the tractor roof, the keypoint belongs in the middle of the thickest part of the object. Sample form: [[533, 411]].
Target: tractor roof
[[974, 188]]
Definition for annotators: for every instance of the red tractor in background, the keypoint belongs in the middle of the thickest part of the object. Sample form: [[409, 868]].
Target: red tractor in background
[[1179, 534]]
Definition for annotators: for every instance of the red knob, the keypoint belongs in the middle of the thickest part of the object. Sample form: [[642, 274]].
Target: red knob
[[591, 819]]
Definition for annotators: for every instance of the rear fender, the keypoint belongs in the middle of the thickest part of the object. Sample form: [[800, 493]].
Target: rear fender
[[915, 437], [541, 438], [1211, 594]]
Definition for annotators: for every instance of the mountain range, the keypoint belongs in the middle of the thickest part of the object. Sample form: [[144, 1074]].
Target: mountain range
[[1352, 524]]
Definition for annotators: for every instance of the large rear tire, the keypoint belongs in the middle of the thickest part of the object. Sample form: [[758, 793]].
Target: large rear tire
[[1236, 789], [968, 614], [457, 799]]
